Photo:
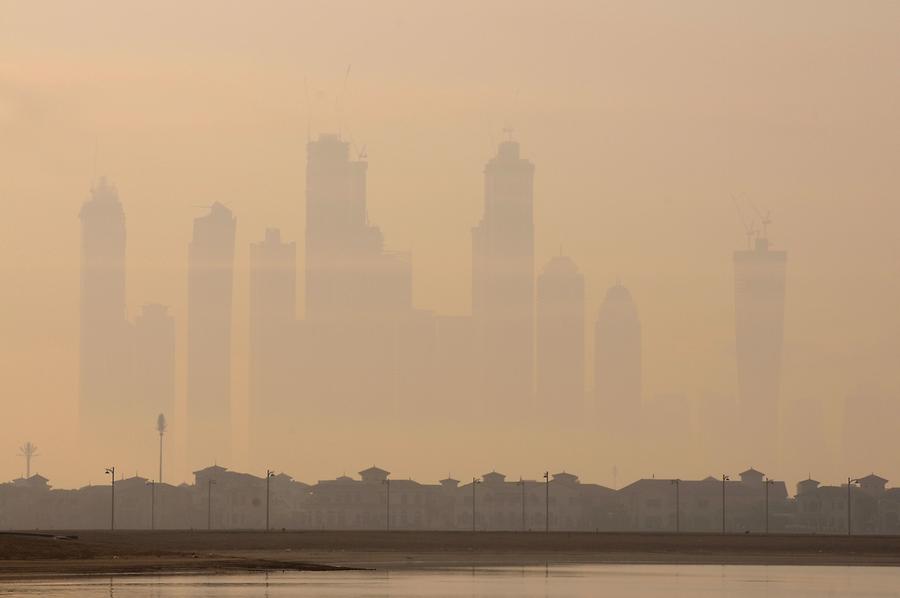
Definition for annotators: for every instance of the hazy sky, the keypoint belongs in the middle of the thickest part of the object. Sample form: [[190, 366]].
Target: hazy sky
[[643, 119]]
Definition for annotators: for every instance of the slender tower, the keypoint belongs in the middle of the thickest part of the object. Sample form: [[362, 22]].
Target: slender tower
[[104, 329], [560, 340], [210, 277], [503, 281], [759, 291], [617, 366]]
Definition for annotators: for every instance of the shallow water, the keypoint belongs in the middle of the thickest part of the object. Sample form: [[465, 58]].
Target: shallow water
[[620, 581]]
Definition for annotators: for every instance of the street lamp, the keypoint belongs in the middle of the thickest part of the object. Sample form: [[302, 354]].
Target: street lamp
[[112, 503], [768, 483], [725, 478], [269, 475], [474, 482], [387, 483], [152, 504], [547, 502], [677, 484], [521, 483], [850, 482], [209, 484]]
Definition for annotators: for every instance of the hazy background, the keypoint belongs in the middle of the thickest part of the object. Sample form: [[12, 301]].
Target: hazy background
[[643, 120]]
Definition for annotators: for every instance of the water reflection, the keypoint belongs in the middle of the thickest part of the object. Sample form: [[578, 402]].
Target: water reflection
[[620, 581]]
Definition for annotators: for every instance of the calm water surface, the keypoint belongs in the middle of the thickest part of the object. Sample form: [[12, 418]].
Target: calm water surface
[[620, 581]]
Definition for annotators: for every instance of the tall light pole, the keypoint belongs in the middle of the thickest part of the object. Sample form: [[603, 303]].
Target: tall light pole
[[547, 502], [209, 484], [850, 482], [161, 426], [112, 503], [387, 518], [29, 452], [768, 483], [522, 484], [269, 475], [152, 504], [677, 484], [474, 482], [725, 478]]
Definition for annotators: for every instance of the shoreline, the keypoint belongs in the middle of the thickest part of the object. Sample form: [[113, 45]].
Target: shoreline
[[47, 555]]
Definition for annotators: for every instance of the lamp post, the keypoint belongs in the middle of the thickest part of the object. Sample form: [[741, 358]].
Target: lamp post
[[768, 483], [547, 502], [850, 482], [209, 484], [112, 503], [522, 484], [387, 519], [152, 504], [269, 475], [677, 484], [474, 482], [725, 478]]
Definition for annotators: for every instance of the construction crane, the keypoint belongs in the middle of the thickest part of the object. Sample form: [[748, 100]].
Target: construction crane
[[28, 451], [749, 227]]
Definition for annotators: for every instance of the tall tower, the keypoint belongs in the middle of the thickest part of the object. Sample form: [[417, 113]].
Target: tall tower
[[210, 277], [617, 364], [273, 280], [759, 287], [503, 281], [104, 333], [560, 340], [153, 386]]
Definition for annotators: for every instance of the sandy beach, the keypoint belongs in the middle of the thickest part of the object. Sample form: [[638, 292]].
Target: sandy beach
[[43, 554]]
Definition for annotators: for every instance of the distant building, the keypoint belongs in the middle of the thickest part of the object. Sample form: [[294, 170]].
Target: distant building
[[275, 404], [759, 291], [618, 364], [560, 340], [104, 334], [503, 281], [153, 386], [210, 280]]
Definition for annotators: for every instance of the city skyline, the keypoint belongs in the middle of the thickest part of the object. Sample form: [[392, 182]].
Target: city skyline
[[636, 175]]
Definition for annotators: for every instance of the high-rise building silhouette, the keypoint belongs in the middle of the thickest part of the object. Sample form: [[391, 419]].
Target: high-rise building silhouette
[[153, 366], [560, 340], [273, 400], [349, 275], [503, 281], [618, 364], [104, 329], [759, 288], [210, 278]]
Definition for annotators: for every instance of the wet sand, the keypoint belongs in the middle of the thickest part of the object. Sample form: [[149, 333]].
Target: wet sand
[[146, 552]]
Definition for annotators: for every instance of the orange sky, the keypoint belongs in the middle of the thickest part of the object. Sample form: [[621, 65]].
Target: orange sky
[[644, 119]]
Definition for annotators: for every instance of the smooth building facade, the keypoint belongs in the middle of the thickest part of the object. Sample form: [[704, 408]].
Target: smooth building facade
[[560, 340], [210, 281], [503, 282], [618, 364]]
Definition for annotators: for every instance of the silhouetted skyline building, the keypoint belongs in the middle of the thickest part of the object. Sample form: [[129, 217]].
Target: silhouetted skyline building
[[503, 281], [618, 365], [759, 290], [210, 281], [560, 340], [153, 367], [104, 329], [273, 397]]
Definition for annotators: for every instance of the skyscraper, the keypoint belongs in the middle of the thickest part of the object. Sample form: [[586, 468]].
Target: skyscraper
[[104, 329], [273, 402], [560, 340], [617, 364], [503, 281], [153, 385], [759, 286], [210, 277]]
